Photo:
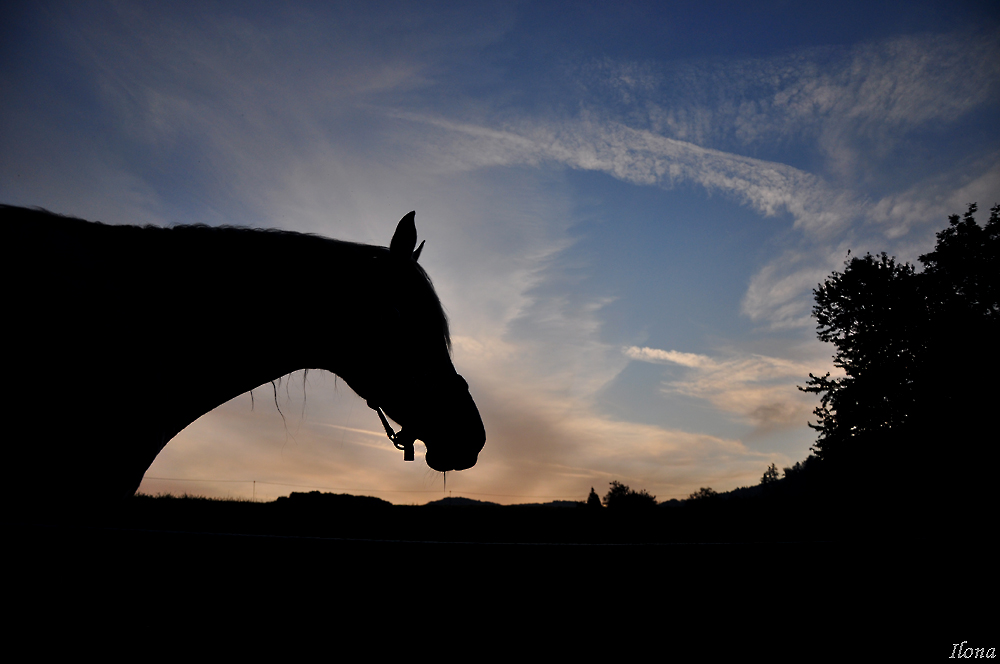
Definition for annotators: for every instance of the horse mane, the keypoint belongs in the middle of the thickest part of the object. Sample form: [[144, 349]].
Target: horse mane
[[234, 238], [438, 307], [363, 249]]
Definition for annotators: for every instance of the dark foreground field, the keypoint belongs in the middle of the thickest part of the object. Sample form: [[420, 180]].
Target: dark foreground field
[[223, 566]]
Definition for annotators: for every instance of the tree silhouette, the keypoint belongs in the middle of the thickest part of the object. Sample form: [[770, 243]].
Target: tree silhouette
[[801, 467], [918, 350], [704, 493], [770, 475], [621, 497], [962, 271], [872, 313], [593, 500]]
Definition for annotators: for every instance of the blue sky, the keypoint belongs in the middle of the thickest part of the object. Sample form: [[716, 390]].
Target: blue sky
[[625, 206]]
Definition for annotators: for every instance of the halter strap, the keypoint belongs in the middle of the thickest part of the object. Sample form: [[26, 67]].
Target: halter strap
[[399, 440]]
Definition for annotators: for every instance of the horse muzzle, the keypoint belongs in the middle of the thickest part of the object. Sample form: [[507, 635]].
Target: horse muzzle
[[457, 446], [453, 435]]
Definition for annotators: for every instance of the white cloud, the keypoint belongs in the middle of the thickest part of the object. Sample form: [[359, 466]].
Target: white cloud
[[691, 360], [779, 294], [646, 158], [757, 389], [928, 204]]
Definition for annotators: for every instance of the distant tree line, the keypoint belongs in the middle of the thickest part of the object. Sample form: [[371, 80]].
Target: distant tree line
[[624, 498]]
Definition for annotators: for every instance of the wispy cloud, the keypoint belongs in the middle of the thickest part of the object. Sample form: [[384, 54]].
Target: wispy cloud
[[757, 389], [696, 124], [545, 432], [640, 156], [778, 294], [873, 89]]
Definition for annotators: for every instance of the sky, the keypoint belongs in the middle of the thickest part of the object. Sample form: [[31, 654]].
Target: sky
[[626, 206]]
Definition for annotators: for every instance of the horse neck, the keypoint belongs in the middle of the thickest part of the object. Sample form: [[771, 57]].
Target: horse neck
[[268, 328]]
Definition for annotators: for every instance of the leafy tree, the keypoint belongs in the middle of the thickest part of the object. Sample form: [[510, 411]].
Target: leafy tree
[[871, 312], [770, 475], [963, 271], [620, 496], [918, 350]]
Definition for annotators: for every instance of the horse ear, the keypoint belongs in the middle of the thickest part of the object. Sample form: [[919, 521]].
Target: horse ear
[[405, 237], [416, 254]]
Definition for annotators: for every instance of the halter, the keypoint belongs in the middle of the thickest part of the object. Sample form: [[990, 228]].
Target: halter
[[404, 441], [399, 440]]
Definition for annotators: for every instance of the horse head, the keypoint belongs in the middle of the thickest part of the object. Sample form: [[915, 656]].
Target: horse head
[[407, 370]]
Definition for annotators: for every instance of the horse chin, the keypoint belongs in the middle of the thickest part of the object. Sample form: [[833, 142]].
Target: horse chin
[[445, 462]]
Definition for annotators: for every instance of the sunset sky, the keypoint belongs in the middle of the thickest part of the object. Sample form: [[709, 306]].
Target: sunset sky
[[626, 205]]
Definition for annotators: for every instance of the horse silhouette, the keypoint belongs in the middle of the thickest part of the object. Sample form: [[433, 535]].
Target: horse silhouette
[[118, 337]]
